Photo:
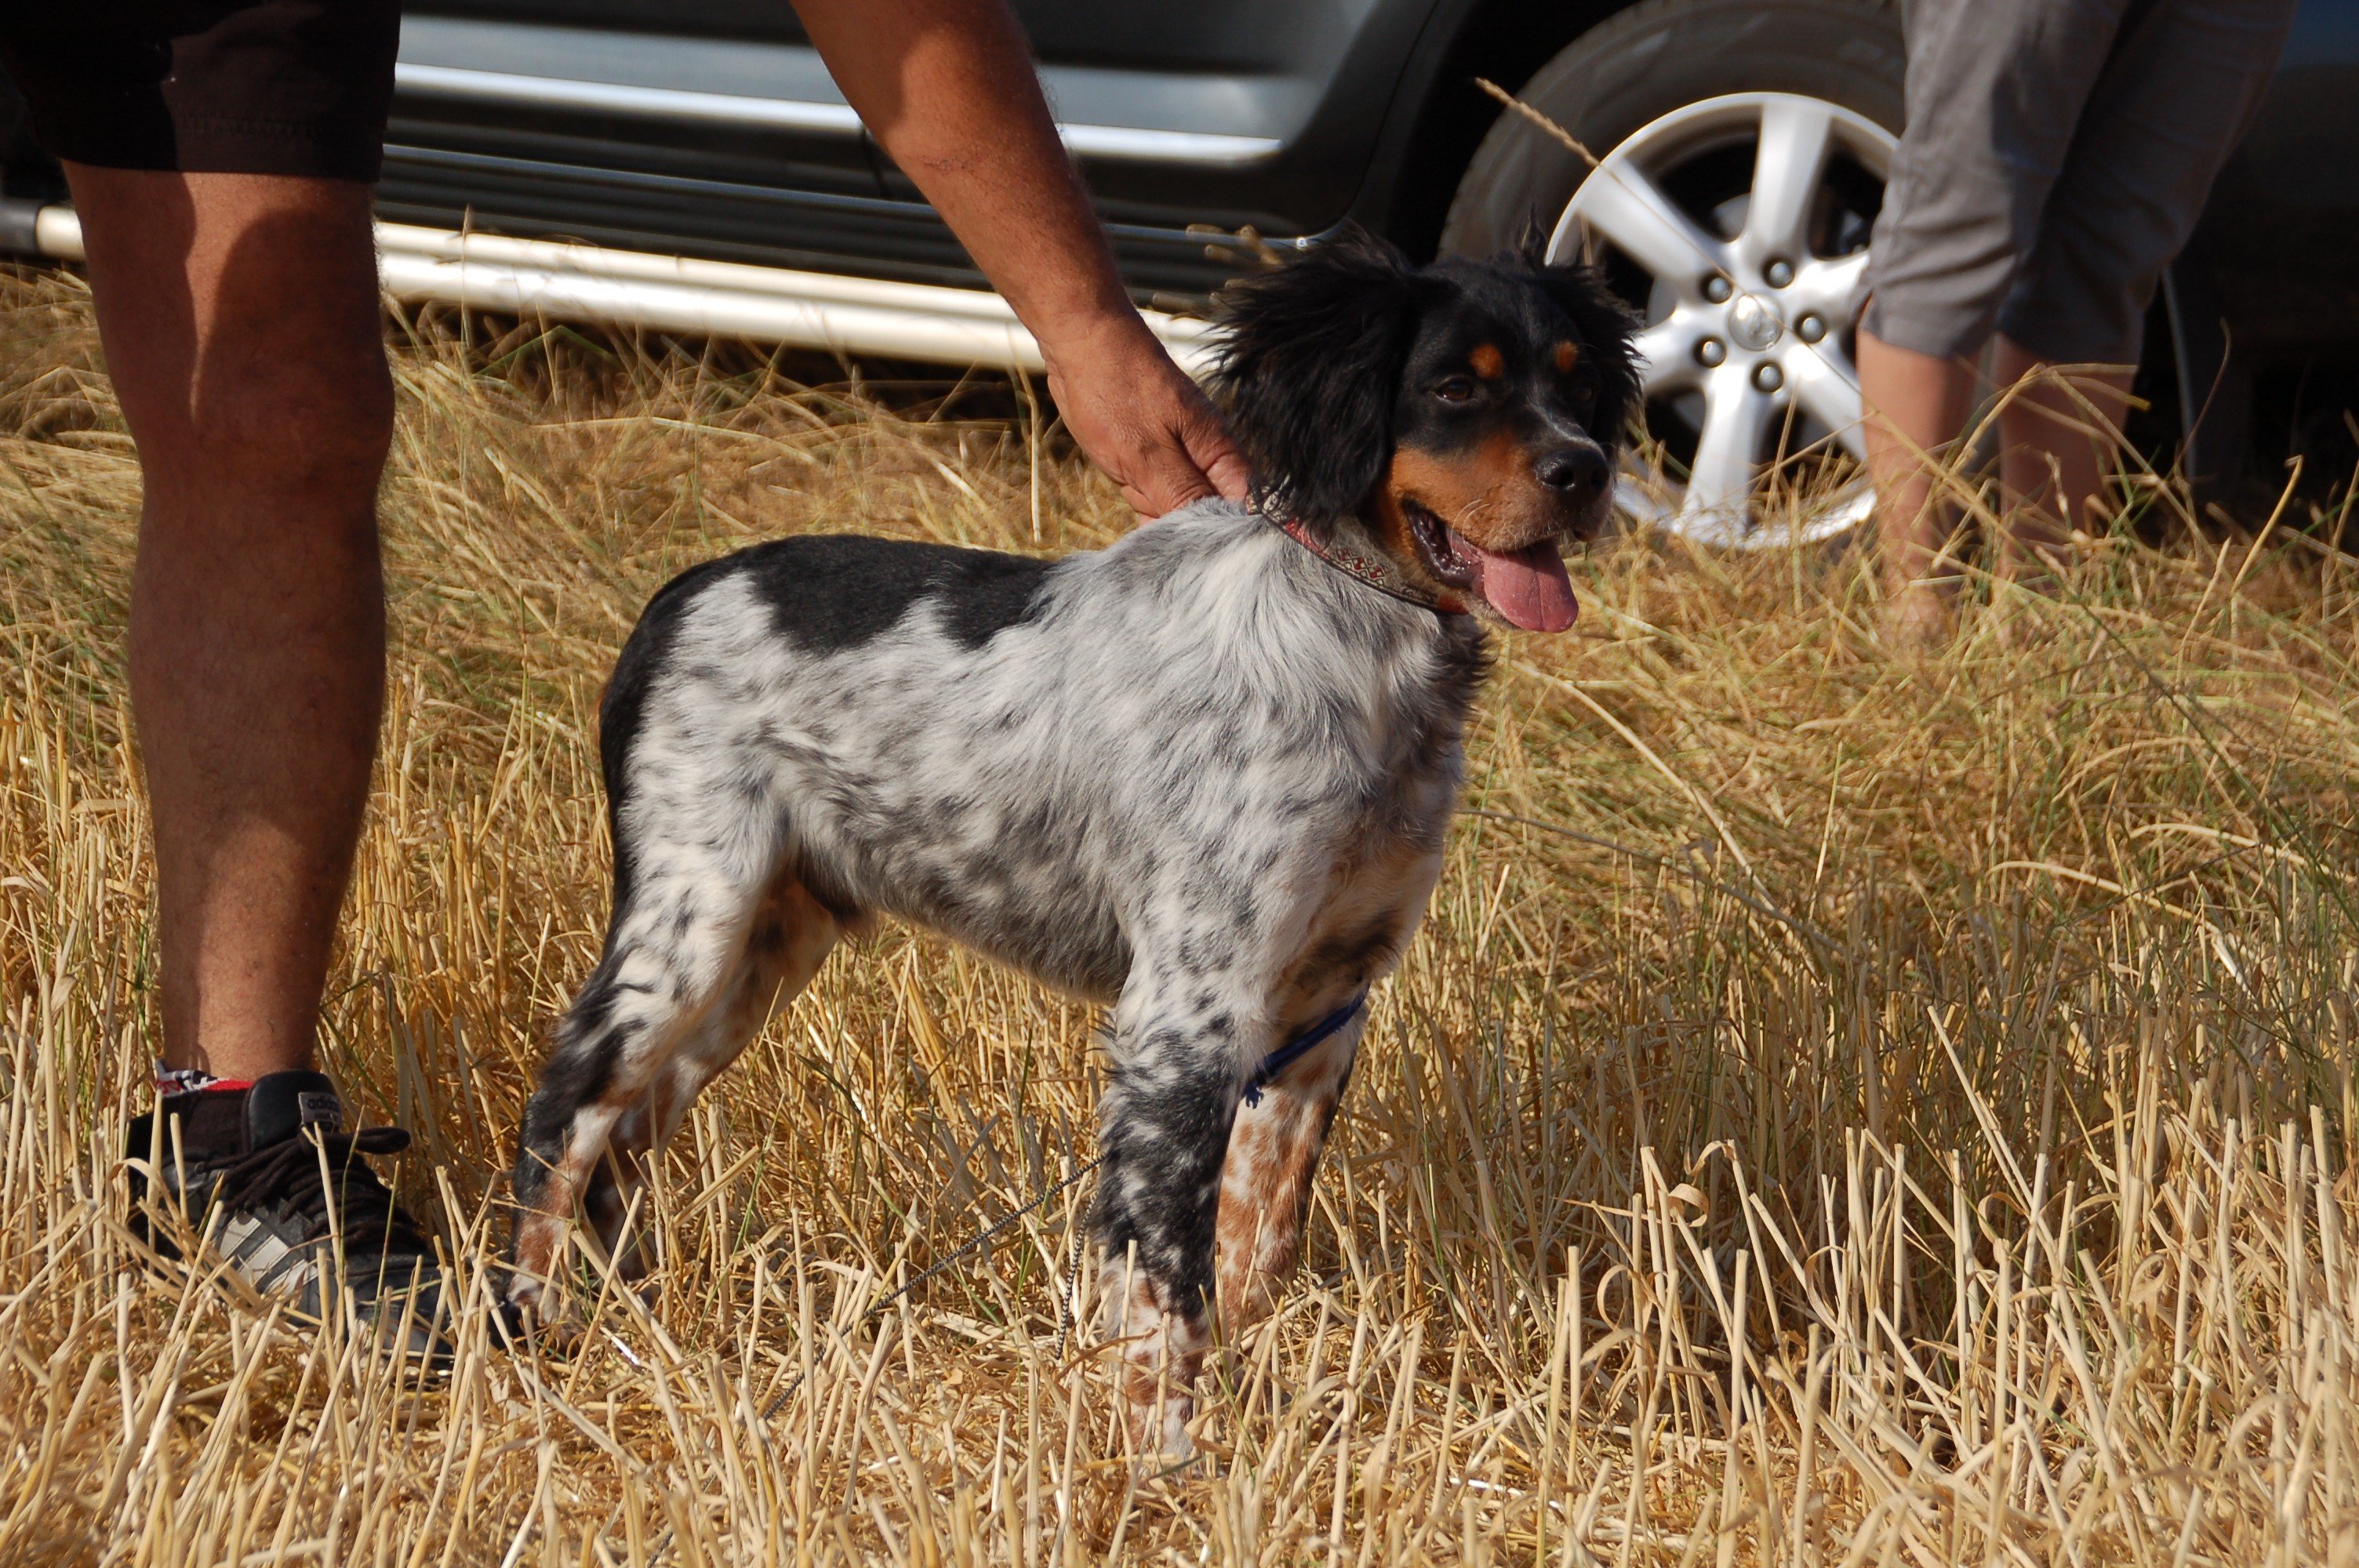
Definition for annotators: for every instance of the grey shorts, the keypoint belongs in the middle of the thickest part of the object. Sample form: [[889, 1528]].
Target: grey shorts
[[2057, 155]]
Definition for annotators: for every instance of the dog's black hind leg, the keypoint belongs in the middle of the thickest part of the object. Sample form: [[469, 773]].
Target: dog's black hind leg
[[675, 953], [790, 937]]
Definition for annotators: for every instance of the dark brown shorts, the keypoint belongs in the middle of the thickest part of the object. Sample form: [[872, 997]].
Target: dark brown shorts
[[293, 87]]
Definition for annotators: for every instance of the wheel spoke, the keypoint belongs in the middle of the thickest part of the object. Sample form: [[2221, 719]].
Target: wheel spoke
[[1823, 383], [1786, 169], [1628, 210], [1720, 482], [1827, 287], [1666, 351]]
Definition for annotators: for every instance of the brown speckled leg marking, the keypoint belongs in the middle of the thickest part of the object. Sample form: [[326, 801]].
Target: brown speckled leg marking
[[791, 936], [1263, 1192], [1273, 1151]]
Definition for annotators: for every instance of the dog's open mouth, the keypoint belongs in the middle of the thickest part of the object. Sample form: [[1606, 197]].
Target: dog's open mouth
[[1526, 586]]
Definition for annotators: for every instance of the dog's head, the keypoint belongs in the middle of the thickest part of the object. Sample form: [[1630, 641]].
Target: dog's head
[[1465, 417]]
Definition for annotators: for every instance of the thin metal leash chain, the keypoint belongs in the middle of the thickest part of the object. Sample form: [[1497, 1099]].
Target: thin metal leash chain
[[1272, 1067], [1064, 1298]]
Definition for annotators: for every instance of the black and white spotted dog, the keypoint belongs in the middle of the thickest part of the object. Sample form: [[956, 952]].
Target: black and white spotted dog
[[1202, 776]]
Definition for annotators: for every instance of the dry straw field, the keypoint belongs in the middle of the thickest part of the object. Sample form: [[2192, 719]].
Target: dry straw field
[[1845, 1108]]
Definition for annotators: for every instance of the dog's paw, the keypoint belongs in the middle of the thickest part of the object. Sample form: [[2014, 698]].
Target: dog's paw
[[1160, 1441], [532, 1311]]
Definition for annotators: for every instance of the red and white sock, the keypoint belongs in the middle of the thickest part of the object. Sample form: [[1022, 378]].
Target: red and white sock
[[172, 1081]]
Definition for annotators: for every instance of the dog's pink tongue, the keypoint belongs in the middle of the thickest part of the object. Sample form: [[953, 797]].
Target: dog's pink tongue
[[1527, 585]]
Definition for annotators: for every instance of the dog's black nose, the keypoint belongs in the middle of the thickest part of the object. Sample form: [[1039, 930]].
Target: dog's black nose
[[1573, 470]]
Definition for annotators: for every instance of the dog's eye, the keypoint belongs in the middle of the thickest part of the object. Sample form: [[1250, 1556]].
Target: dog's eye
[[1457, 389], [1583, 394]]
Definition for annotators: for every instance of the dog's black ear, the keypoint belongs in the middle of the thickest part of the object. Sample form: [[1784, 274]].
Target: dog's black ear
[[1309, 363], [1606, 326]]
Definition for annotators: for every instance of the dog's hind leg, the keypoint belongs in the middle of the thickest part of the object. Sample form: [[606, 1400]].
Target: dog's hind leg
[[791, 934], [1274, 1150], [674, 954]]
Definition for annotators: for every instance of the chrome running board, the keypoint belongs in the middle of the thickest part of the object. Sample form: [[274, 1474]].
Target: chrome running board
[[562, 281]]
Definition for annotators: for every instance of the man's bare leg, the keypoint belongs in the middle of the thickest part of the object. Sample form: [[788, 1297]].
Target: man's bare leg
[[240, 315], [1916, 405], [2060, 438]]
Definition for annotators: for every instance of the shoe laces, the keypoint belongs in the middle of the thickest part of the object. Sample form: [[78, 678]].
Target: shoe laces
[[296, 1174]]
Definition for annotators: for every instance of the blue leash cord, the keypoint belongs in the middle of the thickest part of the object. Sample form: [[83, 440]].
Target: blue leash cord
[[1301, 1045]]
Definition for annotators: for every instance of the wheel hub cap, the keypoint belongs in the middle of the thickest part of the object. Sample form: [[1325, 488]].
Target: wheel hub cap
[[1755, 322]]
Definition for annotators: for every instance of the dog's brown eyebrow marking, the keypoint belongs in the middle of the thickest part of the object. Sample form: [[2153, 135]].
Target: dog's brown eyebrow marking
[[1488, 362], [1568, 354]]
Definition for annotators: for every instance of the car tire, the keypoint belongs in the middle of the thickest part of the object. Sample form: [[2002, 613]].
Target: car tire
[[1651, 61], [1751, 432]]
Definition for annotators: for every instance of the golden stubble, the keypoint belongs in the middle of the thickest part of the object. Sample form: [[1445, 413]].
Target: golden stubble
[[1842, 1107]]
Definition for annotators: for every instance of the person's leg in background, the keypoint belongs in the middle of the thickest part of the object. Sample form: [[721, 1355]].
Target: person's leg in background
[[1995, 91], [2059, 442], [240, 317], [2183, 83], [1917, 404]]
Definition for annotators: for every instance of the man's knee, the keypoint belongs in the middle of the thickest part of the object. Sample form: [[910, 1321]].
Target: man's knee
[[321, 422], [278, 426]]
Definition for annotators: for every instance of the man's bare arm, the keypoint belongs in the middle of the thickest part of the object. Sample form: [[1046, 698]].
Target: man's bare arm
[[947, 86]]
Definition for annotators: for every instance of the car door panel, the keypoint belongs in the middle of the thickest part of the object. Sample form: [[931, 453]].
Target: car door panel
[[754, 20], [765, 114], [712, 128], [1317, 81]]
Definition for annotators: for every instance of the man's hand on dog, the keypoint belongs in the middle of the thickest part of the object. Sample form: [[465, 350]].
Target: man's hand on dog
[[948, 88], [1140, 419]]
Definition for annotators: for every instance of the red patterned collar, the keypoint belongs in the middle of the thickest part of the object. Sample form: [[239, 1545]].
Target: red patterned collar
[[1375, 571]]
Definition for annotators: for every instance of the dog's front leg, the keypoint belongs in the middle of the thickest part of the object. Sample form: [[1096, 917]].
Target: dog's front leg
[[1273, 1151], [1164, 1134]]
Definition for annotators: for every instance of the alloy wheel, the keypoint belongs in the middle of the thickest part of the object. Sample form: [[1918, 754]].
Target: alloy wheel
[[1739, 225]]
